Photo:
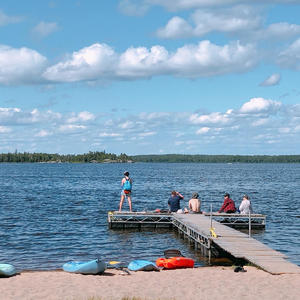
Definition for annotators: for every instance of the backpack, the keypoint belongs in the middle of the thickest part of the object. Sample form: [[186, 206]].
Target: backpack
[[127, 185]]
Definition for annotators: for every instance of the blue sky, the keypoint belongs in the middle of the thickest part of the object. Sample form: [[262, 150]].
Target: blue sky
[[150, 76]]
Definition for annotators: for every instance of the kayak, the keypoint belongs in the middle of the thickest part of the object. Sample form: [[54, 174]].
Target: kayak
[[142, 265], [175, 262], [7, 270], [85, 267]]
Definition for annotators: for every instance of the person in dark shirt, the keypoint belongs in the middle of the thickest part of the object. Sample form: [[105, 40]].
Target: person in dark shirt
[[228, 205], [174, 201]]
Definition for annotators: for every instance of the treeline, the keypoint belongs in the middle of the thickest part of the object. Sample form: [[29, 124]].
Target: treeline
[[90, 157], [178, 158]]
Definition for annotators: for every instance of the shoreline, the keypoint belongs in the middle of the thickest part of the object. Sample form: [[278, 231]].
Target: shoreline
[[216, 282]]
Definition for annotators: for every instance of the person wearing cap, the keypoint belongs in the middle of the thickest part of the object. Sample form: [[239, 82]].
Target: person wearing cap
[[228, 205], [195, 204], [245, 206], [126, 184], [174, 201]]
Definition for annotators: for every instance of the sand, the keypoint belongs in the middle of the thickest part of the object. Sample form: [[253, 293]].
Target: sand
[[199, 283]]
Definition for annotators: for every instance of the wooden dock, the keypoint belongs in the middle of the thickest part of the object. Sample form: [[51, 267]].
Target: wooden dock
[[235, 243], [197, 228]]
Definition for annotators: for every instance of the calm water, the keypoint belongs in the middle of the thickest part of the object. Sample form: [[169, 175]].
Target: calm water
[[52, 213]]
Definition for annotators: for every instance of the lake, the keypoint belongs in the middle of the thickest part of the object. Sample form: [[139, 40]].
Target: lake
[[53, 213]]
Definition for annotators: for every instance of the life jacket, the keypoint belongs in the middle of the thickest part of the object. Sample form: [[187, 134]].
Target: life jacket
[[127, 186]]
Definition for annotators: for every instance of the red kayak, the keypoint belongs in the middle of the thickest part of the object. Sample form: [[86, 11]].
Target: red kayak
[[175, 262]]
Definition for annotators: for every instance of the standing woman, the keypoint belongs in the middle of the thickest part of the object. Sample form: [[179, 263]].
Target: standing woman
[[126, 184], [245, 207]]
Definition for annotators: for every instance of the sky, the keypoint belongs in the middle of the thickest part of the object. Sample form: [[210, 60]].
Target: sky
[[150, 76]]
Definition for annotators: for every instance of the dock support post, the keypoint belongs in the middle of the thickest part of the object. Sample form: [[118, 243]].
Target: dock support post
[[209, 252], [211, 216], [249, 224]]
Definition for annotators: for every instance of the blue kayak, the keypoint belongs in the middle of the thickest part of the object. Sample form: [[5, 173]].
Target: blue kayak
[[142, 265], [7, 270], [85, 267]]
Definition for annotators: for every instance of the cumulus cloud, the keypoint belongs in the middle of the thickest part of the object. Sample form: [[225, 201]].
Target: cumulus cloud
[[274, 79], [5, 19], [237, 19], [90, 63], [176, 28], [20, 65], [241, 21], [260, 105], [99, 61], [44, 29]]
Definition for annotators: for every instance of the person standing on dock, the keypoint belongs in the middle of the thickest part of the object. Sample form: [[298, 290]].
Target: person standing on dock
[[245, 207], [174, 201], [126, 184], [195, 204], [228, 205]]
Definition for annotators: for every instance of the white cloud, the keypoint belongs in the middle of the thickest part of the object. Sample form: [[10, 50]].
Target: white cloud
[[44, 29], [203, 130], [111, 134], [20, 66], [71, 127], [148, 133], [43, 133], [83, 116], [175, 28], [133, 8], [101, 62], [207, 59], [260, 105], [90, 63], [213, 118], [274, 79], [260, 122], [175, 5], [237, 19], [140, 62], [4, 129], [290, 58], [5, 20], [281, 30]]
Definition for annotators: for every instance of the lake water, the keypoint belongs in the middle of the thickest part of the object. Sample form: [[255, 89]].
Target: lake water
[[53, 213]]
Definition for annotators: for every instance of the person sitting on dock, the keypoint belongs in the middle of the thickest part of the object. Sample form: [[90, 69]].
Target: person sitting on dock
[[126, 184], [245, 207], [174, 201], [228, 205], [195, 204]]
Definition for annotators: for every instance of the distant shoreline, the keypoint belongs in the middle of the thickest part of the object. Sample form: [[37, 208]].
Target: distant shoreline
[[103, 157]]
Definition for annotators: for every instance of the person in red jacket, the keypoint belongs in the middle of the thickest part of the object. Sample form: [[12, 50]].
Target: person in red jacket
[[228, 205]]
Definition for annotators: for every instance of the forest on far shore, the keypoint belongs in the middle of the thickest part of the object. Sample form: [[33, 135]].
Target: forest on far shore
[[103, 157], [90, 157], [186, 158]]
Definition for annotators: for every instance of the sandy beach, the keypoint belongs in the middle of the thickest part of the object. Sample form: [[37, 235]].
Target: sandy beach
[[198, 283]]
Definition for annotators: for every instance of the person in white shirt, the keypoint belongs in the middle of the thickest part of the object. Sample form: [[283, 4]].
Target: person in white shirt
[[245, 206]]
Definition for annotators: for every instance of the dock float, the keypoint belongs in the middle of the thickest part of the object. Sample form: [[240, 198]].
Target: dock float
[[211, 237]]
